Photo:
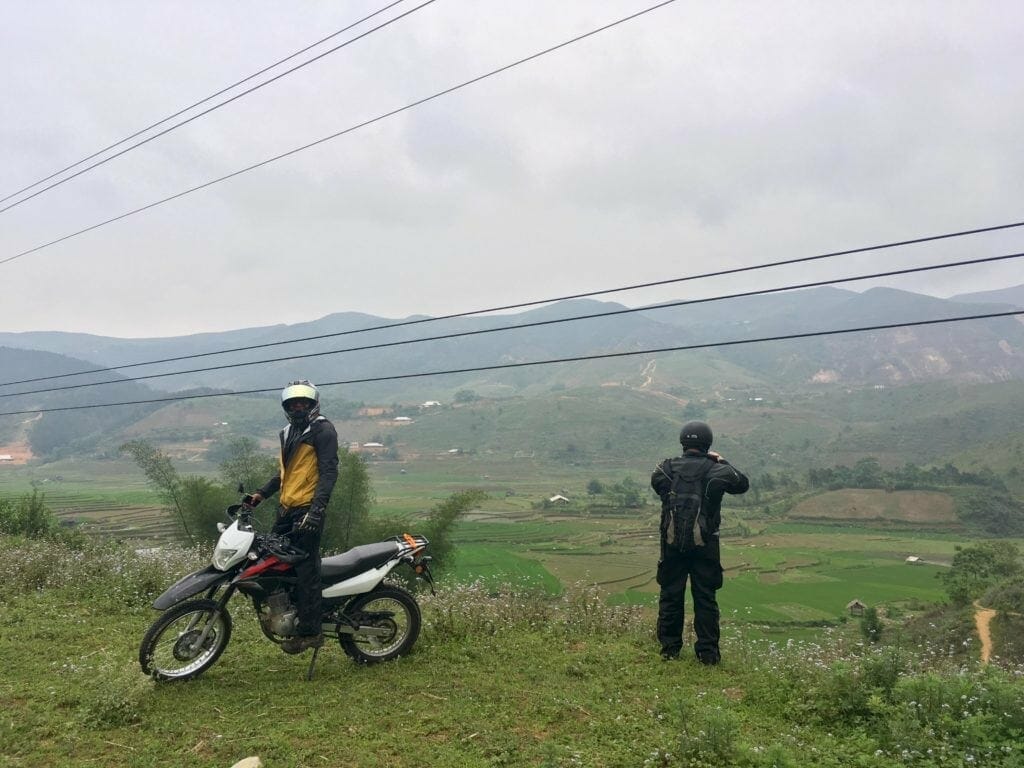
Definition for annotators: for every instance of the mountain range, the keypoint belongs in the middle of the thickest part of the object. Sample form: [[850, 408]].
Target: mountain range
[[975, 352], [986, 350]]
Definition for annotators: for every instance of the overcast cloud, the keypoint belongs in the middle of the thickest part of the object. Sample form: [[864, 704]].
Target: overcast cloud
[[700, 134]]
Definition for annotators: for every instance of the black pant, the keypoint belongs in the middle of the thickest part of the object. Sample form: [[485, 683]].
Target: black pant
[[704, 571], [308, 588]]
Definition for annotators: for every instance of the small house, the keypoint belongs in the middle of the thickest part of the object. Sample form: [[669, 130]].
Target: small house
[[558, 499], [913, 560], [855, 607]]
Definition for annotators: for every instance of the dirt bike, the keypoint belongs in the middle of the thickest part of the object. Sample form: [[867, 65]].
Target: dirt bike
[[372, 620]]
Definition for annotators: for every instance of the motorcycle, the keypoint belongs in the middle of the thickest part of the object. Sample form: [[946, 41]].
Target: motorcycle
[[372, 620]]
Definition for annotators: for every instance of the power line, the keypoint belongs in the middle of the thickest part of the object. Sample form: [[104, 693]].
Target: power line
[[521, 305], [534, 324], [332, 136], [215, 106], [580, 358]]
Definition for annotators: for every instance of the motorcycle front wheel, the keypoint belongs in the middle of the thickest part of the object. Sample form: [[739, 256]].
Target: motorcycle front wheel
[[174, 647], [393, 618]]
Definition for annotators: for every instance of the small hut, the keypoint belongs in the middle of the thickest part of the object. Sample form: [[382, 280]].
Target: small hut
[[856, 607]]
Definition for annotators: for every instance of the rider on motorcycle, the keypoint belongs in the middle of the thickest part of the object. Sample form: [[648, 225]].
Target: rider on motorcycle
[[308, 471]]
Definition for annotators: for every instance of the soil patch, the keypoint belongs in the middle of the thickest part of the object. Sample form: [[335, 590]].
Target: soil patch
[[868, 504], [20, 453]]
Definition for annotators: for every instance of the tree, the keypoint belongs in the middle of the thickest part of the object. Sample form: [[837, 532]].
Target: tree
[[244, 464], [441, 522], [980, 566], [466, 396], [437, 528], [867, 473], [349, 508], [161, 476], [630, 493], [197, 503], [694, 410], [595, 487]]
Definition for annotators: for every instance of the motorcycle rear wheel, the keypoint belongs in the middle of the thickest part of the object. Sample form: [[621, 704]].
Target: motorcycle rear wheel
[[391, 608], [169, 650]]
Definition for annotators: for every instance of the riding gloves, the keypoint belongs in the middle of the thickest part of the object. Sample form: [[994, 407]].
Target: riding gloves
[[311, 521]]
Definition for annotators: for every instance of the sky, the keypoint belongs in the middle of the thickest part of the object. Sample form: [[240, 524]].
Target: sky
[[697, 137]]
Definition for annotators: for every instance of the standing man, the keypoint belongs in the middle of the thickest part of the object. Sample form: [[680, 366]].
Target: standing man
[[691, 487], [309, 469]]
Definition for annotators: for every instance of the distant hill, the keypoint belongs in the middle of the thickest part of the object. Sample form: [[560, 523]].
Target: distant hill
[[981, 351], [957, 354], [63, 432], [1013, 297]]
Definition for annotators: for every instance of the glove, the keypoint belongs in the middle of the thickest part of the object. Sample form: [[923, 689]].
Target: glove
[[311, 521], [252, 499]]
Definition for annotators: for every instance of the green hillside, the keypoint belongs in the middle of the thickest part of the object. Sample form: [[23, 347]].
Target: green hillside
[[497, 678]]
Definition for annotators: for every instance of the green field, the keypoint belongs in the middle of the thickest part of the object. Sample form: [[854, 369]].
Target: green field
[[783, 573]]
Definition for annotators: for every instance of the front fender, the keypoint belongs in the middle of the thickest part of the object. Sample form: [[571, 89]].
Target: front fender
[[193, 584]]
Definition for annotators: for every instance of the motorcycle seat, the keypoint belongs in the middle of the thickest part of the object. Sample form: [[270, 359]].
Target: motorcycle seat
[[357, 560]]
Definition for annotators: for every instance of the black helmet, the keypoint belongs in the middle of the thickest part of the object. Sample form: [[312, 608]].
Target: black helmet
[[300, 390], [696, 434]]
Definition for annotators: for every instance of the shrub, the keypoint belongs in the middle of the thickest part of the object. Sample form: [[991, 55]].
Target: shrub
[[114, 694], [28, 516], [871, 625], [708, 734]]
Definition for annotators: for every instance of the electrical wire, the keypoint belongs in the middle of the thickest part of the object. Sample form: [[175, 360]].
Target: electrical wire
[[221, 104], [580, 358], [336, 135], [534, 324], [521, 305]]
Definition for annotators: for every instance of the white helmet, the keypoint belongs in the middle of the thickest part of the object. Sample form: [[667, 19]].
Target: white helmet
[[300, 390]]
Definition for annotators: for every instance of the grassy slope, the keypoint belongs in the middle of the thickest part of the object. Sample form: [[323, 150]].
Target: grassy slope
[[491, 683]]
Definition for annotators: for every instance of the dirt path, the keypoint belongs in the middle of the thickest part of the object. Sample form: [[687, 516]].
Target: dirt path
[[982, 619], [648, 373]]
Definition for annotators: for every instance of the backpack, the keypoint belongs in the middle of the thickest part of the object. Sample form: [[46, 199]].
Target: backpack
[[684, 525]]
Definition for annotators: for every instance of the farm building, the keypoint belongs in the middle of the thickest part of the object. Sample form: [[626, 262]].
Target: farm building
[[856, 607], [558, 499], [914, 560]]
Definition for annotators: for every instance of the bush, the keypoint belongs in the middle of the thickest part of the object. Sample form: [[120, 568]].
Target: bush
[[115, 695], [28, 516], [102, 573], [708, 734], [871, 625], [1006, 596]]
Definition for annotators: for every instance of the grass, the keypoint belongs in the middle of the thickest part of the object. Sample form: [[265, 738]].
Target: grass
[[495, 565], [498, 678]]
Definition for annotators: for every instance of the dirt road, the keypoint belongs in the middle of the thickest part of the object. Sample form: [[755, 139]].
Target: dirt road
[[982, 618]]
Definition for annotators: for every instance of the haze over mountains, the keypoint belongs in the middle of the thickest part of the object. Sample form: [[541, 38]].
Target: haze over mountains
[[941, 382], [978, 351]]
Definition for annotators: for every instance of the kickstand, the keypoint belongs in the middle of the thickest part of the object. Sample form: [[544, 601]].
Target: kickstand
[[312, 664]]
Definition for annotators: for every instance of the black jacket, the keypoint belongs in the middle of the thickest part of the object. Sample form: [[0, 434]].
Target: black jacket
[[721, 478]]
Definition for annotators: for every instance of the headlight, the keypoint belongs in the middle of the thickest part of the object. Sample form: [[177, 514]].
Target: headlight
[[222, 557]]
